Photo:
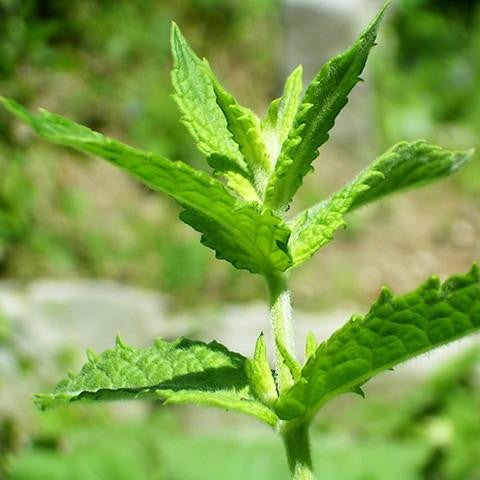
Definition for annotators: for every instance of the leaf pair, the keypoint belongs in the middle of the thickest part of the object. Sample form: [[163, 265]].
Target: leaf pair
[[395, 329]]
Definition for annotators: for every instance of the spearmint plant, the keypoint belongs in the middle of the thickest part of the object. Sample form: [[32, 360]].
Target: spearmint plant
[[244, 218]]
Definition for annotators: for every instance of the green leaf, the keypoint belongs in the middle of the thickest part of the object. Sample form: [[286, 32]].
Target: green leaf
[[410, 165], [281, 114], [203, 117], [245, 128], [260, 375], [240, 232], [404, 166], [314, 227], [324, 99], [288, 106], [289, 361], [182, 371], [396, 329]]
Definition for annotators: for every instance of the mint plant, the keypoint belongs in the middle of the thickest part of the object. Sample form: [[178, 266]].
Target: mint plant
[[242, 212]]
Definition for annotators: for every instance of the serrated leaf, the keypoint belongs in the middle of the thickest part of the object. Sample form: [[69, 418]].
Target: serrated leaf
[[325, 97], [258, 244], [245, 128], [260, 375], [240, 232], [405, 166], [288, 106], [315, 227], [410, 165], [396, 329], [281, 114], [175, 372], [203, 117]]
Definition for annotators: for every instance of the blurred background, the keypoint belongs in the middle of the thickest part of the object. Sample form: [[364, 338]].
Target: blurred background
[[86, 252]]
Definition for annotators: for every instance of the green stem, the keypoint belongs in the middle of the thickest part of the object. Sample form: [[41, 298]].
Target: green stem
[[297, 444], [282, 325], [294, 433]]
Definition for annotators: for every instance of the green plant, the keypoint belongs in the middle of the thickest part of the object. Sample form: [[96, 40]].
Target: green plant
[[246, 222]]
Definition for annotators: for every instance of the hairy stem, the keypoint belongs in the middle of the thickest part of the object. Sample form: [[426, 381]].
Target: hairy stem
[[282, 325], [294, 433], [296, 440]]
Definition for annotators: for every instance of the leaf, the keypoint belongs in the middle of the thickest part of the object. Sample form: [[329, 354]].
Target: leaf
[[410, 165], [405, 165], [396, 329], [175, 372], [281, 114], [244, 126], [324, 99], [260, 375], [289, 361], [203, 117], [288, 106], [314, 227], [240, 232]]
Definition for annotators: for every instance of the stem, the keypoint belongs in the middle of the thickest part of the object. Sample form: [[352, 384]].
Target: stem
[[297, 445], [295, 432], [282, 325]]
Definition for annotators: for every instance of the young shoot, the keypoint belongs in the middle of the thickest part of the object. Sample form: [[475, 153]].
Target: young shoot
[[242, 214]]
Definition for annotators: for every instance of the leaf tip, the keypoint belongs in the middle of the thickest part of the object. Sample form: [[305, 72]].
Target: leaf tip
[[385, 7], [174, 29], [372, 29], [176, 38], [298, 71], [260, 347]]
